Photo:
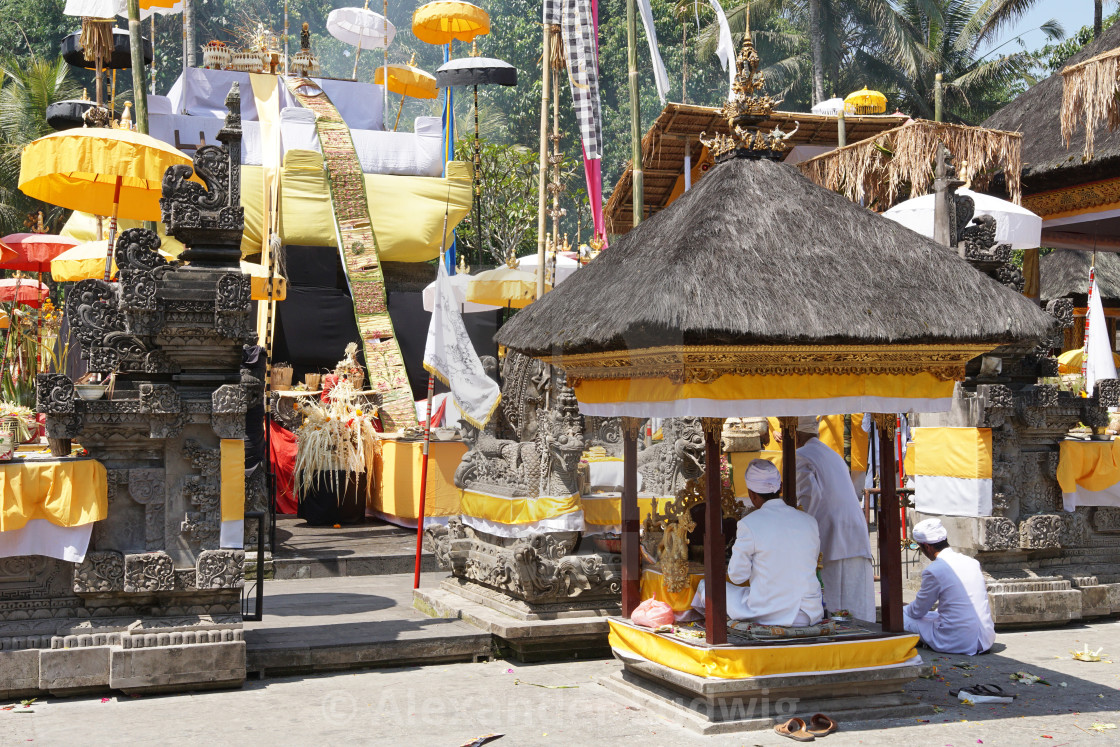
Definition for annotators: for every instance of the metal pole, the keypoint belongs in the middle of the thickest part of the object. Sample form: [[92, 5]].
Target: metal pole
[[635, 116], [542, 189], [136, 47]]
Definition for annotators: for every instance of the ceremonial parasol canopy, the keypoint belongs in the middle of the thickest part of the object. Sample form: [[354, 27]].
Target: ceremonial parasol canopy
[[1015, 224], [444, 21], [23, 290], [361, 28], [6, 252], [85, 261], [80, 169], [678, 317], [830, 107], [505, 287], [476, 71], [120, 59], [33, 252], [408, 81], [459, 284], [1070, 361], [865, 101]]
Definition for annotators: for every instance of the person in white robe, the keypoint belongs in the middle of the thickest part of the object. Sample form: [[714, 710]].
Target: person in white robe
[[954, 583], [825, 491], [772, 574]]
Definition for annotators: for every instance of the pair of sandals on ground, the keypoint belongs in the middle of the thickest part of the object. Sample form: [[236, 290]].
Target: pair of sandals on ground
[[796, 729]]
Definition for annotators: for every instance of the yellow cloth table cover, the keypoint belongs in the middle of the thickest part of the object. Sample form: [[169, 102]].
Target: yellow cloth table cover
[[952, 470], [653, 587], [48, 507], [1089, 473], [398, 471], [602, 512], [741, 662]]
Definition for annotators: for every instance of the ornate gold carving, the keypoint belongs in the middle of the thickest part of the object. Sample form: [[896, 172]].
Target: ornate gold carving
[[1052, 204], [886, 422], [713, 427], [630, 426], [706, 363], [672, 552]]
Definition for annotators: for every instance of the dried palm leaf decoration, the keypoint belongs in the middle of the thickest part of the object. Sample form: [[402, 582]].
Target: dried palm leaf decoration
[[1089, 90]]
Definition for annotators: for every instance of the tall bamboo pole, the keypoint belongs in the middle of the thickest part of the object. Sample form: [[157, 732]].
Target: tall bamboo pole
[[188, 34], [542, 190], [136, 47], [635, 114]]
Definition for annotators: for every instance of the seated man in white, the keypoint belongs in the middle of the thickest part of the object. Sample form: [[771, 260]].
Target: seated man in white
[[962, 622], [772, 575]]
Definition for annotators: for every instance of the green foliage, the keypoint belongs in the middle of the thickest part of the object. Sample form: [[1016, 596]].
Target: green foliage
[[1052, 57]]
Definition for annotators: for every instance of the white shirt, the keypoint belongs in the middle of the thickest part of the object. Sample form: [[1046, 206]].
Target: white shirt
[[776, 548], [963, 621], [825, 490]]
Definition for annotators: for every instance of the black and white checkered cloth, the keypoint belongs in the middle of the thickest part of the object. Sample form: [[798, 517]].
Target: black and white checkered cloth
[[577, 28]]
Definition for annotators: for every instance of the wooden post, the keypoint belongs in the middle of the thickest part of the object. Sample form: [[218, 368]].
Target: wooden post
[[789, 460], [136, 47], [890, 539], [715, 552], [636, 179], [542, 168], [631, 528]]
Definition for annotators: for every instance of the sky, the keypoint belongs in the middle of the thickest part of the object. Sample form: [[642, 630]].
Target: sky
[[1072, 14]]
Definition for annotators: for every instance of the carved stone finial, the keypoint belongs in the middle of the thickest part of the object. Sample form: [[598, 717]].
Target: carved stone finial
[[210, 219]]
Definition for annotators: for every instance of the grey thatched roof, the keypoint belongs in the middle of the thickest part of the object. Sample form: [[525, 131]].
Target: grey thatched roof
[[1064, 273], [756, 253], [1047, 163]]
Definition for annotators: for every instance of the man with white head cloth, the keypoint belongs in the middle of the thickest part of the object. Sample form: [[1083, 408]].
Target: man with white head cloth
[[772, 575], [962, 622], [824, 489]]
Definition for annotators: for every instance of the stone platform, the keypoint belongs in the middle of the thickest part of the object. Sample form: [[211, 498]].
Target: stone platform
[[525, 633]]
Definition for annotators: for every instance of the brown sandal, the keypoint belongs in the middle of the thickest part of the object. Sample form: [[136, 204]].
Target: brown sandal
[[821, 725], [794, 729]]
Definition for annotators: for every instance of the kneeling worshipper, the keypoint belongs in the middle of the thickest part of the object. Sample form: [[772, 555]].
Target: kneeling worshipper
[[962, 622], [772, 575]]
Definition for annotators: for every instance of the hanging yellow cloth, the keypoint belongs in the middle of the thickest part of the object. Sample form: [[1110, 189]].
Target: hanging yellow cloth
[[1093, 465], [67, 494]]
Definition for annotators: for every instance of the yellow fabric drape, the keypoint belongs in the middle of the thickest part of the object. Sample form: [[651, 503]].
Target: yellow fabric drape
[[233, 479], [860, 441], [653, 587], [733, 387], [398, 478], [831, 431], [734, 663], [516, 510], [67, 494], [951, 452], [607, 510], [1093, 465]]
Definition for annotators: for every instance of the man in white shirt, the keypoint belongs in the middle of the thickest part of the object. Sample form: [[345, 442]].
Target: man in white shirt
[[962, 622], [772, 575], [824, 489]]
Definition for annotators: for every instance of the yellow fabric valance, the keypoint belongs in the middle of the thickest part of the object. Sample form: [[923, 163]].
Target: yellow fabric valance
[[67, 494], [1093, 465], [733, 662], [950, 452], [606, 510], [516, 510], [653, 587]]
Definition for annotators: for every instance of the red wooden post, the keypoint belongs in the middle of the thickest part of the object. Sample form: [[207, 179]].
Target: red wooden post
[[890, 538], [423, 481], [631, 525], [715, 553]]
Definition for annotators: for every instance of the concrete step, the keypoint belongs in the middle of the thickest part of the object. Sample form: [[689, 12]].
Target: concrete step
[[288, 568]]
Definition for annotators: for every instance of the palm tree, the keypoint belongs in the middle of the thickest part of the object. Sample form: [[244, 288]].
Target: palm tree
[[27, 87], [953, 37]]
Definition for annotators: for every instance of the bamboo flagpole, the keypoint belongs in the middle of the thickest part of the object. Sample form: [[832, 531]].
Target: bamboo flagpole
[[1085, 339], [637, 180], [542, 190]]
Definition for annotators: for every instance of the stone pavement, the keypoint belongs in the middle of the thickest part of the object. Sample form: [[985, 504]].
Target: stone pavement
[[373, 548], [564, 704]]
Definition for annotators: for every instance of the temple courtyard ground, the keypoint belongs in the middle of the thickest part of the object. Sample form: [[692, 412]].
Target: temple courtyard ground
[[538, 704]]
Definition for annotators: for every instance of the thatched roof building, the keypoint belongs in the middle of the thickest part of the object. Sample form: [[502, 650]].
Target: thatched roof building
[[1058, 184], [1065, 274], [755, 254]]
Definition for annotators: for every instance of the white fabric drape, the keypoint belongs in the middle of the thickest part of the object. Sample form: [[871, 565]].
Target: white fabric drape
[[660, 77], [725, 49], [1099, 363]]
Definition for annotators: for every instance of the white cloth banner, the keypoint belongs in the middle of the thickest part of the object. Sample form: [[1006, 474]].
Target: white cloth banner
[[40, 537], [450, 357], [1099, 363], [660, 77], [1110, 496], [953, 496], [725, 50]]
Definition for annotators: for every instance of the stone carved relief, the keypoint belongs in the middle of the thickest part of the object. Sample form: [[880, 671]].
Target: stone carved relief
[[1106, 519], [667, 466], [99, 573], [147, 487], [220, 569], [1040, 532], [998, 533], [148, 572], [202, 525], [1075, 528], [54, 394], [229, 405]]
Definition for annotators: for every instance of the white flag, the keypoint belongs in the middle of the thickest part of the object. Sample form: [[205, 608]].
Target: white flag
[[450, 357], [726, 48], [1099, 363], [660, 77]]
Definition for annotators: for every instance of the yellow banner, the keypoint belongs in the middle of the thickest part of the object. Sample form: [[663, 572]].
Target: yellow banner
[[516, 510], [733, 663], [951, 452], [233, 479], [1093, 465]]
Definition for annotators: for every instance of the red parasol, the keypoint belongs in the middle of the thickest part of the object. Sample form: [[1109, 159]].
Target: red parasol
[[23, 290], [34, 251]]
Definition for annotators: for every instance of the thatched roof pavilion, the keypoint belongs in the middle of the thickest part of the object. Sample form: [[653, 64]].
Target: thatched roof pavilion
[[757, 254], [1065, 274]]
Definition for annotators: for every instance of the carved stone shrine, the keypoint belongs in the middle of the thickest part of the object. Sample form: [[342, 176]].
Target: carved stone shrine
[[156, 604], [1044, 565]]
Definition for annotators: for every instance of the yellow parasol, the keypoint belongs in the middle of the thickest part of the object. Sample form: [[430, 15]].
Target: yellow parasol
[[407, 81], [5, 320], [865, 101], [506, 287], [105, 171], [444, 21], [1069, 362], [85, 261]]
